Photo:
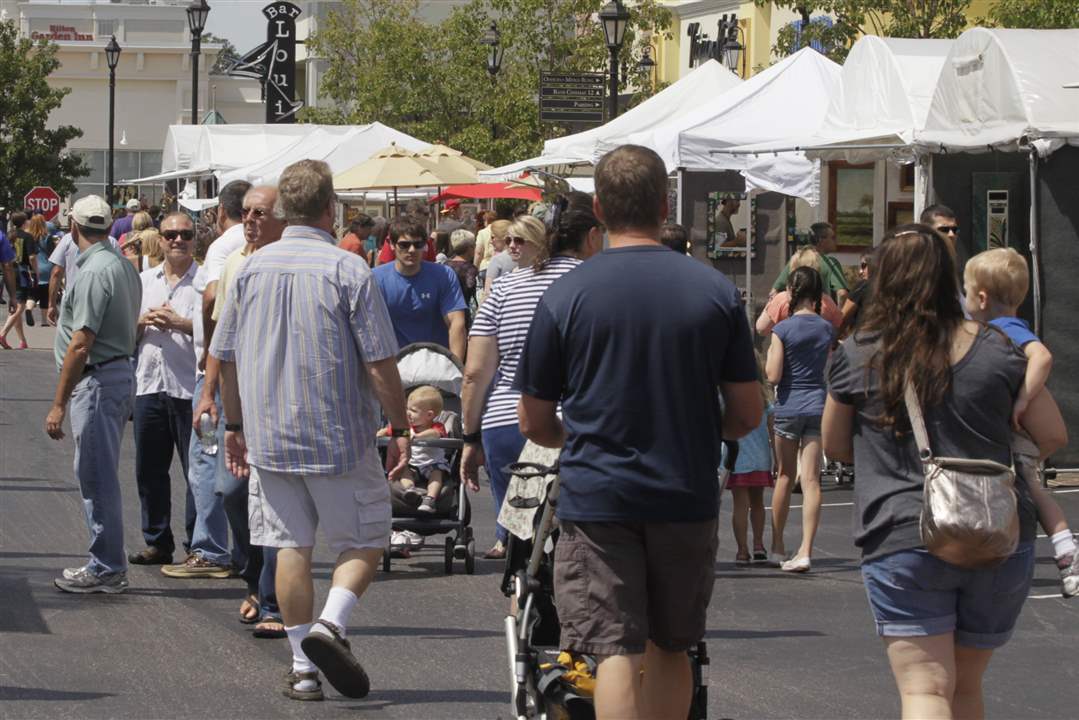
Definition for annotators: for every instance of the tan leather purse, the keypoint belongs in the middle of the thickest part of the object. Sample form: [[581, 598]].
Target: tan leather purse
[[970, 515]]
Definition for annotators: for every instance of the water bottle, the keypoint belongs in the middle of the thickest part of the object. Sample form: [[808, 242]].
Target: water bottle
[[208, 434]]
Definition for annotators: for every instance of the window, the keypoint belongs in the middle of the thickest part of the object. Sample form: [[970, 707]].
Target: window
[[107, 28]]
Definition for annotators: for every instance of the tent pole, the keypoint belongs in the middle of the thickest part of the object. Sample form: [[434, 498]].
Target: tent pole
[[396, 207], [678, 197], [749, 258], [1035, 260]]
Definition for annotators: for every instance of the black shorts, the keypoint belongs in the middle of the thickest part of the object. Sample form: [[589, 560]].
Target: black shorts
[[619, 584], [41, 296]]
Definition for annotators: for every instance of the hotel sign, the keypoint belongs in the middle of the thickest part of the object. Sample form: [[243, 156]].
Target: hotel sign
[[62, 32]]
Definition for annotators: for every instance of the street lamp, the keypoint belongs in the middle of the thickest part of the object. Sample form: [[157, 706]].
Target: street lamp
[[615, 18], [728, 43], [112, 59], [196, 23], [647, 64], [493, 40]]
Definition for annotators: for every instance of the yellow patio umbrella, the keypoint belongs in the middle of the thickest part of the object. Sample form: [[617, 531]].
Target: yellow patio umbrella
[[454, 162], [392, 168]]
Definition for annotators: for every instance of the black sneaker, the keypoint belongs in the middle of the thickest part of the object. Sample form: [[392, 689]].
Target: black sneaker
[[84, 582], [30, 318], [150, 556]]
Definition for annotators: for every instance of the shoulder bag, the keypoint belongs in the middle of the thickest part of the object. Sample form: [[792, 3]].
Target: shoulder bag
[[970, 515]]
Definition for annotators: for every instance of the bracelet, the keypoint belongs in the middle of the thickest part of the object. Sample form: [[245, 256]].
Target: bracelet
[[473, 437], [234, 427]]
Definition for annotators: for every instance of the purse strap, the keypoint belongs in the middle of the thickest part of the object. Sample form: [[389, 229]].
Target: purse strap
[[917, 422]]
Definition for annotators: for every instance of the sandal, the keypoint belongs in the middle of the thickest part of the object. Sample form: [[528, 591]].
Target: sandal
[[741, 560], [250, 610], [295, 678], [270, 628], [760, 555], [332, 654], [498, 552]]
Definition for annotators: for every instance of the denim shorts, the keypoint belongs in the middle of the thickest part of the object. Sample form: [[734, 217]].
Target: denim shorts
[[798, 427], [914, 594]]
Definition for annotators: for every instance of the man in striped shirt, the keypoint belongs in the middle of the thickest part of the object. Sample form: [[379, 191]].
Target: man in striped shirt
[[308, 328]]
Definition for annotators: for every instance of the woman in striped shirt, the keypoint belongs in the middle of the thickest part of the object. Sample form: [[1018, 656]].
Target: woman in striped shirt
[[489, 404]]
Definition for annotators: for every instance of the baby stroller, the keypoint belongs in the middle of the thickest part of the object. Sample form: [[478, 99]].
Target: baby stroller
[[549, 684], [434, 365]]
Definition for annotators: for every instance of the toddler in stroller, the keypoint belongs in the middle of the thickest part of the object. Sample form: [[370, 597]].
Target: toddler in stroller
[[431, 376]]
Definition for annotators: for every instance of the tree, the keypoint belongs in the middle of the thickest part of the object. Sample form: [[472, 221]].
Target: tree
[[30, 153], [226, 57], [387, 64], [1034, 14], [853, 18]]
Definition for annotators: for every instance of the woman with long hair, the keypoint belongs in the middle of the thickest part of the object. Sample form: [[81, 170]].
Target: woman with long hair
[[25, 247], [795, 366], [488, 400], [940, 623]]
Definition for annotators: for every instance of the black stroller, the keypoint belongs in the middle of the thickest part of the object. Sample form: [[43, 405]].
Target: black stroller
[[434, 365], [549, 684]]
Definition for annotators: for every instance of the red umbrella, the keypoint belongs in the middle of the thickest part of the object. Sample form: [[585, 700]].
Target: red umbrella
[[478, 191]]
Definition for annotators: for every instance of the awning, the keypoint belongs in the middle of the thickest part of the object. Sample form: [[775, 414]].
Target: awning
[[171, 175], [475, 191]]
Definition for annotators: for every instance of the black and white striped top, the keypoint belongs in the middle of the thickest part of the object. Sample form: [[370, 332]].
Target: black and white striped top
[[506, 315]]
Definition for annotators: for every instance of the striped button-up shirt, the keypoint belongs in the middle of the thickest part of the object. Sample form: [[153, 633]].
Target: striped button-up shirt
[[300, 320]]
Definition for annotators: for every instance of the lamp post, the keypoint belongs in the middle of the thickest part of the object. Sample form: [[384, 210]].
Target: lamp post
[[196, 23], [112, 59], [493, 40], [647, 64], [615, 19]]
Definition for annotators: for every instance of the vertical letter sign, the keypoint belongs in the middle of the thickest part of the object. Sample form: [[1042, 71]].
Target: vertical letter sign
[[281, 105]]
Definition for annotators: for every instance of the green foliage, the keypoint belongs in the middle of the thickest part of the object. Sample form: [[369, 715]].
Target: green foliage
[[853, 18], [30, 153], [1034, 14], [431, 81], [224, 58]]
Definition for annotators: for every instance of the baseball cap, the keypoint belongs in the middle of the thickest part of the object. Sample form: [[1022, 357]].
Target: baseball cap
[[92, 212], [451, 205], [132, 204]]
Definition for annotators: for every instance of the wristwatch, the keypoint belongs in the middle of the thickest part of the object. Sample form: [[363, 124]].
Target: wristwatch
[[404, 432], [473, 437], [234, 427]]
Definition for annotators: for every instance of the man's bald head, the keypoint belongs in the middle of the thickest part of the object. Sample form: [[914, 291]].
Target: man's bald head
[[261, 226]]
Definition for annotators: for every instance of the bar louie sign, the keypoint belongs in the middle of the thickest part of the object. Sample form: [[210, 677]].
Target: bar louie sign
[[61, 32]]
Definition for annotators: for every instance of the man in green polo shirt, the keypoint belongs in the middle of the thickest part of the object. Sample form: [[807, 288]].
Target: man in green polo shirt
[[95, 340], [822, 236]]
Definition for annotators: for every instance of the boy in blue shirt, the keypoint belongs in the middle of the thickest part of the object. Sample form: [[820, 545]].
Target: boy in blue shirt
[[997, 282]]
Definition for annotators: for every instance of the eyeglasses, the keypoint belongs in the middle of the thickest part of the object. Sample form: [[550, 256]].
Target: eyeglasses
[[513, 240], [185, 235], [258, 213], [413, 245], [948, 229]]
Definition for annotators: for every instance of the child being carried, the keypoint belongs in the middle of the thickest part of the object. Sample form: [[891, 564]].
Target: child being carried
[[428, 465]]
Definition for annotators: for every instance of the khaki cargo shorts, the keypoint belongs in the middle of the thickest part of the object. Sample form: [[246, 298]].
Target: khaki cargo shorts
[[619, 584], [352, 509]]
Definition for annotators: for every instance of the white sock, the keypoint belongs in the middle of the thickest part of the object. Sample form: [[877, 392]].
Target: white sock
[[339, 604], [1063, 544], [296, 634]]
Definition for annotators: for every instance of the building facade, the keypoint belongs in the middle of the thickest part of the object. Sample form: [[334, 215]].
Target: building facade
[[153, 82]]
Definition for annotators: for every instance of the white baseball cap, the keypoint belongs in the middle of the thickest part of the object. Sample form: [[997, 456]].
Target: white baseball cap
[[92, 212], [132, 204]]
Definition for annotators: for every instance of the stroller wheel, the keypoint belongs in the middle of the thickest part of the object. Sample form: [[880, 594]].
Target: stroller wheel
[[470, 557], [449, 556]]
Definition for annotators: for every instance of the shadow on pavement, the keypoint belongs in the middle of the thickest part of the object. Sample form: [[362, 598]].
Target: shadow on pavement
[[759, 634], [20, 693], [442, 633], [387, 698]]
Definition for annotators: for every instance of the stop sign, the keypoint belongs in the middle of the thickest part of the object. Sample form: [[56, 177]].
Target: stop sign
[[44, 199]]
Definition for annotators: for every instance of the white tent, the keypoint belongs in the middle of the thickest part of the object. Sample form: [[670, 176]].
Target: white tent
[[788, 99], [999, 87], [341, 146], [706, 81], [513, 171]]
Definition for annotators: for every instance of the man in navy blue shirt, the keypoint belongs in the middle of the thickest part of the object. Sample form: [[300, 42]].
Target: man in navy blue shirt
[[424, 298], [641, 429]]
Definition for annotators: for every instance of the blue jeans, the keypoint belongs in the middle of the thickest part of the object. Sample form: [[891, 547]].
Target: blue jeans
[[268, 583], [100, 405], [210, 538], [245, 558], [501, 446], [162, 424]]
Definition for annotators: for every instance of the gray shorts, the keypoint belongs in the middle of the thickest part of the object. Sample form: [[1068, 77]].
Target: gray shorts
[[352, 509], [798, 427]]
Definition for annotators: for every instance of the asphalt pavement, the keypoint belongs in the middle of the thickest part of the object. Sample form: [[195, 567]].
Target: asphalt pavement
[[781, 646]]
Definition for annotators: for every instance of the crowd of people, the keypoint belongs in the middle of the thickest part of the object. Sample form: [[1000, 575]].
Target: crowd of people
[[271, 368]]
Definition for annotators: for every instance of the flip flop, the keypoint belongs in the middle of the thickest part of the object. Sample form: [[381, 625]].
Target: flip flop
[[332, 654], [265, 628], [252, 604]]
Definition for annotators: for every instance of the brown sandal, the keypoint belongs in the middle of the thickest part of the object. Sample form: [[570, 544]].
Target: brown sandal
[[250, 610]]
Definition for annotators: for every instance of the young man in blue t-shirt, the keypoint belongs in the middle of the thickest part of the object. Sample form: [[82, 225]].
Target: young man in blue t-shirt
[[640, 434], [424, 298]]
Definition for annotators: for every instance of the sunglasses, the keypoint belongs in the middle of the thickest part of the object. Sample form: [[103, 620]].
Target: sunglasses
[[512, 240], [948, 229], [185, 235], [414, 244]]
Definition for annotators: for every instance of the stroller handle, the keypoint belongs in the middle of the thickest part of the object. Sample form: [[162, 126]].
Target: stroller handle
[[445, 443], [530, 469]]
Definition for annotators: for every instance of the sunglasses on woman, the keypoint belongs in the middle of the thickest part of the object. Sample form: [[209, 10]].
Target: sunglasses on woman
[[514, 240], [185, 235]]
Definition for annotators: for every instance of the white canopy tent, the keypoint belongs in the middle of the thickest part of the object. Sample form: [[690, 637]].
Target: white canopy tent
[[706, 81], [514, 170], [340, 146], [786, 100], [1002, 88]]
